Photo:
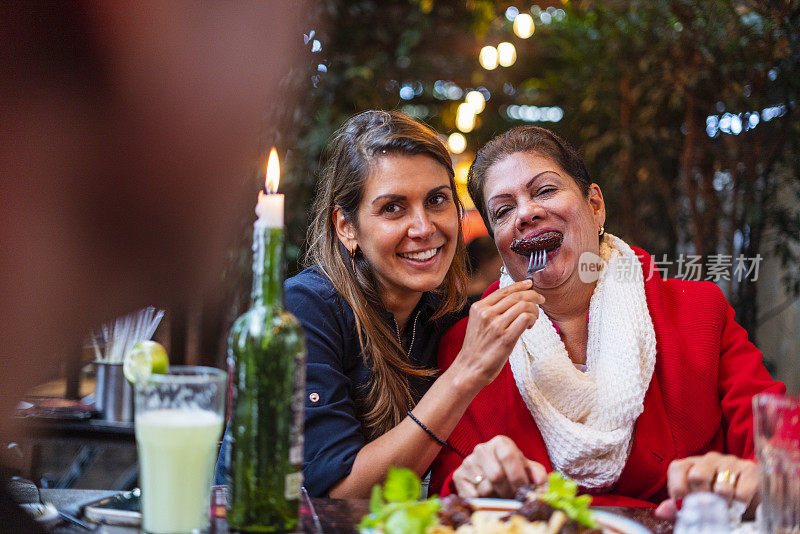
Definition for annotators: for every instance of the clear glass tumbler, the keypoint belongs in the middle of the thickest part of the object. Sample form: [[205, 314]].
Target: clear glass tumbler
[[777, 441], [703, 513], [179, 418]]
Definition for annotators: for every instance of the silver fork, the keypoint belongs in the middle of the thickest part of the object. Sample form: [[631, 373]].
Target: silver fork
[[537, 262]]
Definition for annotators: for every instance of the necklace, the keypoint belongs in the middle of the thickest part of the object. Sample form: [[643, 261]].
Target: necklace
[[413, 332]]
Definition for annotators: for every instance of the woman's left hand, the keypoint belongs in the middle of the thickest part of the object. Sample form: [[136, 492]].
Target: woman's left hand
[[724, 474], [496, 468]]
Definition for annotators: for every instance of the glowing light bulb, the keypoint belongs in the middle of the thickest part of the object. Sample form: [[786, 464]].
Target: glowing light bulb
[[506, 54], [465, 118], [523, 25], [457, 143], [488, 57], [476, 100]]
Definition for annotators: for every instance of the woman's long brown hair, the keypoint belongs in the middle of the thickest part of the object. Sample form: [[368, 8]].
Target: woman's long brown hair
[[350, 158]]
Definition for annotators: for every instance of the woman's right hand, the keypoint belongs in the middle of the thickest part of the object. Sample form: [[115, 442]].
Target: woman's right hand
[[496, 468], [494, 326]]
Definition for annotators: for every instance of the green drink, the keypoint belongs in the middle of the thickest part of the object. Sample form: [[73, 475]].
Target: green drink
[[267, 349], [178, 423], [177, 449]]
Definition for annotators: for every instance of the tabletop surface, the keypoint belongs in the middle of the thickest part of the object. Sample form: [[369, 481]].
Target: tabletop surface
[[79, 428], [329, 516]]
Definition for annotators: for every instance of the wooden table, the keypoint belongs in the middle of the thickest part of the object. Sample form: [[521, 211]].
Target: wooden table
[[318, 516]]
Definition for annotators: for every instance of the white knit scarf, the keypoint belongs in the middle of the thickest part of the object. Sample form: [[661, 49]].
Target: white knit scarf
[[587, 418]]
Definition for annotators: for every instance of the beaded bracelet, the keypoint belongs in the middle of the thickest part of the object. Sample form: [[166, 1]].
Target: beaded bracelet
[[436, 438]]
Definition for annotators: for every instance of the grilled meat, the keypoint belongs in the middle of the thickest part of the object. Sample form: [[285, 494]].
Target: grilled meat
[[454, 511], [546, 240]]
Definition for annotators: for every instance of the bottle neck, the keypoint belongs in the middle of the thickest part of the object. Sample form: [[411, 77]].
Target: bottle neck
[[267, 267]]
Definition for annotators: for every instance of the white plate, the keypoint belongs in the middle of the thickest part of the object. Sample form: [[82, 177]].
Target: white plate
[[613, 523]]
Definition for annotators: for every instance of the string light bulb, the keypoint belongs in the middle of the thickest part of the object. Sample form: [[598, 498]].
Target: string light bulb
[[465, 117], [506, 54], [488, 57], [523, 25], [476, 100], [457, 143]]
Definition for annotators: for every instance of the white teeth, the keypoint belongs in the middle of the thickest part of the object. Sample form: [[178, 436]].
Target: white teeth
[[420, 256]]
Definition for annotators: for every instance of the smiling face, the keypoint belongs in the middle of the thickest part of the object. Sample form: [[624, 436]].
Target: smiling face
[[407, 225], [526, 195]]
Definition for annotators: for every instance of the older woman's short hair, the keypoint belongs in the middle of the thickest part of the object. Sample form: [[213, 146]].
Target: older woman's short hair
[[533, 139]]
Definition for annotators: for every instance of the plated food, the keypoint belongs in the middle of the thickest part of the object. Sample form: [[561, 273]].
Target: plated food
[[533, 514], [608, 523], [553, 508], [548, 241]]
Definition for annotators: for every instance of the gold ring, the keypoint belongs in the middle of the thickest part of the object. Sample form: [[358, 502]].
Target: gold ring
[[477, 480], [727, 476]]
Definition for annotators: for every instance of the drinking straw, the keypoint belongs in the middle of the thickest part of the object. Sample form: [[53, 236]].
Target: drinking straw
[[123, 333]]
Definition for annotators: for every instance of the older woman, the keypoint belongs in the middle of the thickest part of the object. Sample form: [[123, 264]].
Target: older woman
[[629, 384]]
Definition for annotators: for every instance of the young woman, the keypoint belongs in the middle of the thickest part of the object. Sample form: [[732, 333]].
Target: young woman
[[385, 279]]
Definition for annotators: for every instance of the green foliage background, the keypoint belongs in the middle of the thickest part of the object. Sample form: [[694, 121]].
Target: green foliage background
[[637, 80]]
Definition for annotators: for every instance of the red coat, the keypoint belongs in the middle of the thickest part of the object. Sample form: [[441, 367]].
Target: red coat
[[699, 399]]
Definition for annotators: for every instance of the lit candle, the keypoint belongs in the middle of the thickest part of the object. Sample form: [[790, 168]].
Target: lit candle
[[270, 204]]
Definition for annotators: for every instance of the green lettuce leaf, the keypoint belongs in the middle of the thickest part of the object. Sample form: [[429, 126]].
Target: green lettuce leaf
[[395, 508], [562, 494], [402, 485], [376, 501]]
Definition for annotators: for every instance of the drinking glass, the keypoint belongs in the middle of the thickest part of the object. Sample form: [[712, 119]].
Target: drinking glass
[[777, 441], [178, 425], [703, 513]]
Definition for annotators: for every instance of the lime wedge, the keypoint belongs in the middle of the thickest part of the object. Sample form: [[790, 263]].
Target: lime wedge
[[144, 359]]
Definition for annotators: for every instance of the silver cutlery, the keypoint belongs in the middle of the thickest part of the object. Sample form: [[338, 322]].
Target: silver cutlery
[[537, 262]]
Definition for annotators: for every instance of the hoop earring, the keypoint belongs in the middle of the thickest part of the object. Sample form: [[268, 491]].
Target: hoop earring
[[602, 231]]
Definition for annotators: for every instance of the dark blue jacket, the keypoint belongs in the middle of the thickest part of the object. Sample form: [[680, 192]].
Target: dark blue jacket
[[337, 373]]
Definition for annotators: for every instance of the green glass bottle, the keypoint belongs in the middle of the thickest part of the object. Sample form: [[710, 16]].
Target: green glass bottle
[[267, 349]]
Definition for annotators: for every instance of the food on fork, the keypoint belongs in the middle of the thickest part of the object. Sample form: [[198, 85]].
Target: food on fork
[[548, 241]]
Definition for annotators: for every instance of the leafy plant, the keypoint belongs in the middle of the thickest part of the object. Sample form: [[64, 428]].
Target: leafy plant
[[396, 508]]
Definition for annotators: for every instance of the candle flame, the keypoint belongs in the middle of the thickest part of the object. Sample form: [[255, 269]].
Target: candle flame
[[273, 172]]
